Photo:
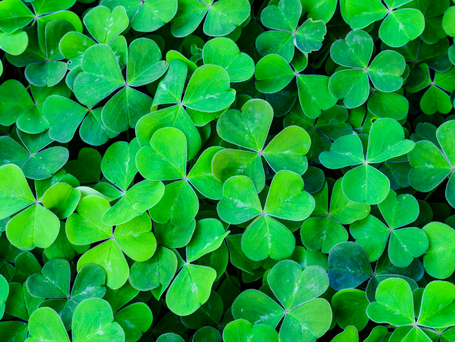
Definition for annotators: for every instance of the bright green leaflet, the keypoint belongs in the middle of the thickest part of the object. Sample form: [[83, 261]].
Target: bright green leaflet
[[364, 183]]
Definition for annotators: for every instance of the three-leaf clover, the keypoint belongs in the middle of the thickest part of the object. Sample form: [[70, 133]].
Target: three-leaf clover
[[265, 236], [53, 284], [165, 159], [248, 128], [405, 244], [396, 304], [283, 19], [351, 84], [306, 317], [133, 238], [364, 183]]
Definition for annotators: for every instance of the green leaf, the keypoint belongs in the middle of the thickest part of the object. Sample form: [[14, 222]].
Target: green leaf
[[100, 75], [53, 282], [34, 227], [349, 266], [314, 94], [394, 303], [242, 331], [350, 308], [94, 317], [15, 15], [386, 69], [225, 53], [266, 237], [208, 237], [401, 26], [104, 24], [190, 289], [272, 74], [286, 198], [165, 158], [136, 201], [15, 193], [225, 16], [437, 258], [240, 202], [110, 257], [135, 320], [354, 51], [46, 325], [61, 199], [257, 117], [436, 309]]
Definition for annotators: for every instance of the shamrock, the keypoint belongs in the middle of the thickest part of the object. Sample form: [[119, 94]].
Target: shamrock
[[148, 15], [405, 244], [273, 74], [349, 307], [99, 64], [436, 97], [395, 305], [354, 53], [192, 285], [223, 16], [31, 156], [433, 162], [364, 183], [324, 229], [53, 284], [284, 18], [286, 151], [17, 106], [165, 159], [91, 317], [306, 317], [200, 104], [118, 166], [265, 236], [133, 238], [399, 26], [35, 226]]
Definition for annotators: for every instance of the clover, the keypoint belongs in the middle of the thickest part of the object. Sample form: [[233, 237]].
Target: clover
[[283, 19], [405, 244], [221, 17], [351, 84], [133, 238], [306, 317], [364, 183], [324, 229], [286, 151], [273, 74], [191, 288], [17, 106], [13, 44], [99, 64], [265, 236], [31, 155], [53, 284], [33, 227], [165, 159], [400, 25], [433, 162], [200, 104], [433, 313]]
